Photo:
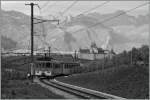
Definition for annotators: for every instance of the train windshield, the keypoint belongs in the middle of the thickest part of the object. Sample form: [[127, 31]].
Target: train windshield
[[48, 64], [57, 65]]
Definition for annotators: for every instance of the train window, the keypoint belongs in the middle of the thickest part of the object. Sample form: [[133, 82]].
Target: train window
[[47, 64], [39, 65], [50, 65], [65, 65], [70, 65], [36, 65], [43, 65], [57, 66]]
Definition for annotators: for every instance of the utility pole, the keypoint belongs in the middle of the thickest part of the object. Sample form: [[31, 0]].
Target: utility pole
[[49, 48], [75, 55], [104, 62], [32, 34], [32, 39], [131, 56]]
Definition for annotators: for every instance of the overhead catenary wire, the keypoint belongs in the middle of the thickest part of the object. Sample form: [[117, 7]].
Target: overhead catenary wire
[[68, 8], [108, 19], [111, 18], [45, 4], [62, 14], [44, 35], [98, 6], [43, 29], [48, 7], [95, 7]]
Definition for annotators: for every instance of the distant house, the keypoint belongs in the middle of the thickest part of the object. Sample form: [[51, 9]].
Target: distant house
[[140, 62], [84, 51], [95, 55]]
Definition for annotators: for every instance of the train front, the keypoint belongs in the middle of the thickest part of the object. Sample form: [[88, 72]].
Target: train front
[[43, 69]]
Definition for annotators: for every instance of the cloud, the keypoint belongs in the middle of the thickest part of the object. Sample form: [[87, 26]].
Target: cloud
[[78, 8]]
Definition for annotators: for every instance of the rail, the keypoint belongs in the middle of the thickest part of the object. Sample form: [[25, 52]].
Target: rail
[[80, 92]]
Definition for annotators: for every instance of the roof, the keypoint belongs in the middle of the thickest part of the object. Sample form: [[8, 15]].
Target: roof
[[56, 61], [52, 61], [84, 50]]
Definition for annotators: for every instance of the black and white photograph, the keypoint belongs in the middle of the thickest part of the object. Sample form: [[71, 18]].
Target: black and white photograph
[[76, 49]]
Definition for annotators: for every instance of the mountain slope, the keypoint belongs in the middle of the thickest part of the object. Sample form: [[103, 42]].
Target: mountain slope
[[115, 33]]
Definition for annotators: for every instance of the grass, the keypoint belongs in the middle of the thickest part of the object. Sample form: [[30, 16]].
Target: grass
[[16, 89], [126, 81], [15, 85]]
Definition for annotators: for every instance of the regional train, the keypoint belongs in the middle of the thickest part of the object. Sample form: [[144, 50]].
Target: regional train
[[52, 68]]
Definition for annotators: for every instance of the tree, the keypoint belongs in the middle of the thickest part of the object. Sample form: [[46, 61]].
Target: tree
[[134, 55], [144, 50]]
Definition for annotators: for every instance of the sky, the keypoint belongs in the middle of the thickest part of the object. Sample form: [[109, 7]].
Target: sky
[[54, 8]]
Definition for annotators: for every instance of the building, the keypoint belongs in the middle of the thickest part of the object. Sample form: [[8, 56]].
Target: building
[[95, 53]]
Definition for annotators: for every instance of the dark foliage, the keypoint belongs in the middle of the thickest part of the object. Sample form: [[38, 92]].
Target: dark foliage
[[14, 82], [7, 43], [137, 56]]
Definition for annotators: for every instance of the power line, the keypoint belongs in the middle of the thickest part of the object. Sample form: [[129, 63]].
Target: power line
[[48, 7], [94, 8], [98, 6], [67, 9], [108, 19], [43, 28], [45, 4], [112, 17], [42, 23]]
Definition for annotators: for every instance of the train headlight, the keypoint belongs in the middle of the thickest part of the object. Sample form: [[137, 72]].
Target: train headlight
[[48, 73]]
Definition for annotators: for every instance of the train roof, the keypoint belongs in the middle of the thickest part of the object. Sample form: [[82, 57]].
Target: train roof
[[56, 61], [51, 61]]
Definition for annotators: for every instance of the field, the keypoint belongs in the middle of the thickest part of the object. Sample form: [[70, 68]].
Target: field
[[126, 81], [15, 84], [130, 82]]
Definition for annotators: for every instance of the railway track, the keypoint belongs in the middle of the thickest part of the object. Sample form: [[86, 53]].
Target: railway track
[[79, 92]]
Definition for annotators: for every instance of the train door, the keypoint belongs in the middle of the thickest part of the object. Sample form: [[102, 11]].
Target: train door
[[58, 68], [37, 69], [64, 68], [67, 69], [52, 68], [70, 68]]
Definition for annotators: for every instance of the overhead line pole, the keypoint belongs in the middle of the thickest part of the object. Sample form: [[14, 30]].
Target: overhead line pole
[[32, 30], [32, 39]]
